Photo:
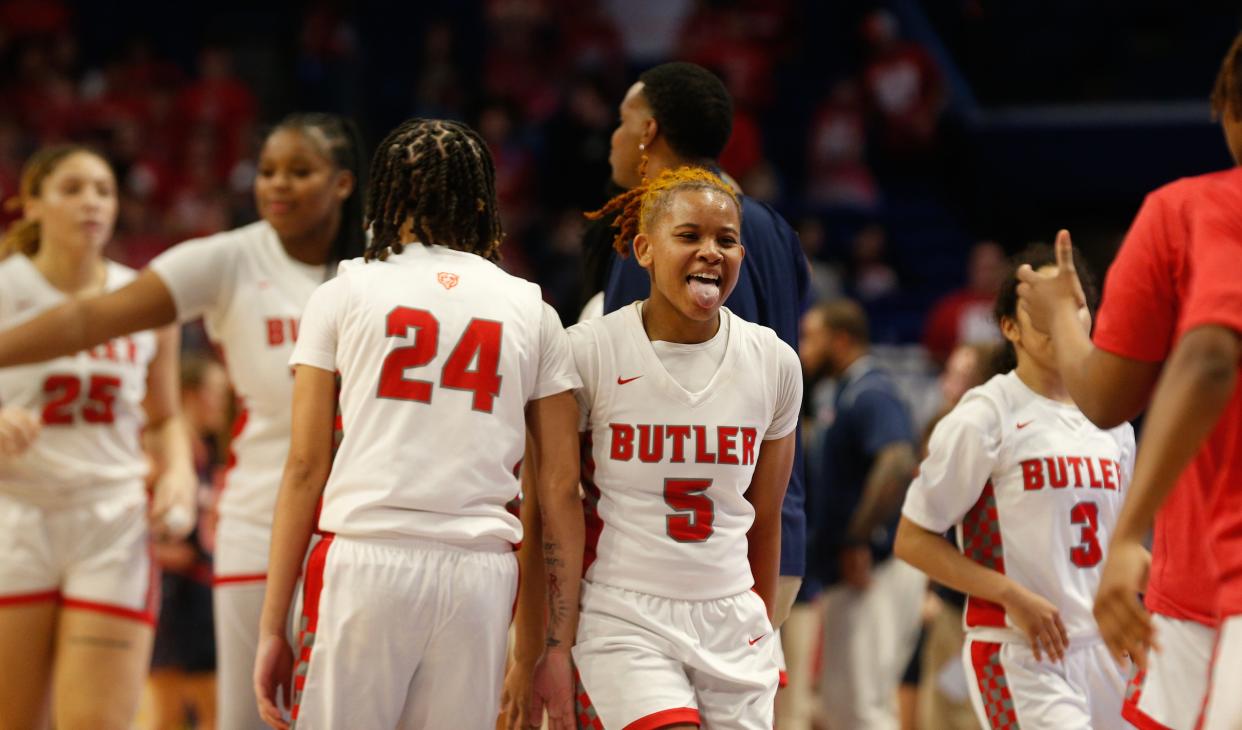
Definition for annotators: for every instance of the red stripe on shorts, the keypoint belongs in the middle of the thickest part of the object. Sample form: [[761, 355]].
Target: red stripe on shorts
[[664, 718], [312, 587], [146, 617], [1130, 711], [993, 685], [224, 580], [19, 598]]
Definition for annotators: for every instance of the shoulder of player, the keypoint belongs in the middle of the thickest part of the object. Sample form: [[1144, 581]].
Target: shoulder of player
[[984, 406], [763, 336], [761, 222]]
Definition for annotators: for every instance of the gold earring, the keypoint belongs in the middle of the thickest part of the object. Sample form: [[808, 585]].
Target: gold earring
[[643, 159]]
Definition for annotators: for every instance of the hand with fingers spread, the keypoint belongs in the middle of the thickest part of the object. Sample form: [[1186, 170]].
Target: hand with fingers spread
[[1042, 293], [1036, 617], [273, 671], [515, 698], [19, 428], [1125, 626], [554, 690]]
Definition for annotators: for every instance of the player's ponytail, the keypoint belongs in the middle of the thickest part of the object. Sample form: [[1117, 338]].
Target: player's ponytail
[[1037, 255], [636, 208], [23, 236]]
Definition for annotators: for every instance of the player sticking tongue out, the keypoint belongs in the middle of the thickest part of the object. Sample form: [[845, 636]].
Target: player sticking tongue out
[[686, 226]]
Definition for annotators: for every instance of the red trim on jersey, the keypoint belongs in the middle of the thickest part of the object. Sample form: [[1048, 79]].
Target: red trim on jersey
[[239, 424], [993, 685], [782, 679], [17, 599], [1130, 711], [664, 718], [312, 588], [145, 616], [981, 542], [224, 580], [593, 523]]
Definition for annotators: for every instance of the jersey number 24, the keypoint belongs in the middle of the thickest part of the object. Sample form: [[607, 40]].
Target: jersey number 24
[[481, 338]]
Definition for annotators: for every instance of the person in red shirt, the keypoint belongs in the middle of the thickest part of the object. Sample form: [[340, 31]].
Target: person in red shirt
[[965, 315], [1145, 294]]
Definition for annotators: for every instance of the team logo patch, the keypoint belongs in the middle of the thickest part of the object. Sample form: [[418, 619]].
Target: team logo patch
[[447, 280]]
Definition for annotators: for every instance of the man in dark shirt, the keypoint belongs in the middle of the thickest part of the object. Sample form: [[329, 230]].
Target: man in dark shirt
[[681, 114], [872, 601]]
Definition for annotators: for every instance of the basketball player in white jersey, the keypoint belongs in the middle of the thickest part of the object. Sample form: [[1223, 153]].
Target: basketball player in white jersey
[[249, 285], [688, 416], [1034, 490], [444, 361], [77, 584]]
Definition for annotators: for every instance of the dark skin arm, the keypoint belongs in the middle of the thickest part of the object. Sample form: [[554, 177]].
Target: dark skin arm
[[883, 492], [1108, 389], [528, 620], [766, 494], [1192, 394], [145, 303]]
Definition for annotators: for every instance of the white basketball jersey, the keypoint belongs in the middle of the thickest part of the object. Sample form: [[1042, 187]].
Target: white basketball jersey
[[90, 403], [1034, 490], [250, 294], [665, 470], [439, 352]]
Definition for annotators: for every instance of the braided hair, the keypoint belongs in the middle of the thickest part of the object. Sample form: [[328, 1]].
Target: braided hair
[[344, 148], [437, 176], [638, 207]]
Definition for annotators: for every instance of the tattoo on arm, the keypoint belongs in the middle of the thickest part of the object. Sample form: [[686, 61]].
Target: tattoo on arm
[[557, 610]]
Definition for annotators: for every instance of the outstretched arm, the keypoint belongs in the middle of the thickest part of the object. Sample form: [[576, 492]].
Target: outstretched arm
[[145, 303], [1191, 395], [1108, 389]]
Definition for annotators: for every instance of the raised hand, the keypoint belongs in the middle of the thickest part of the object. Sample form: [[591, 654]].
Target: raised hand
[[1041, 293]]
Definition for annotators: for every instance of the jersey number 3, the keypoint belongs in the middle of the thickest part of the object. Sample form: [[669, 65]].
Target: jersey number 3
[[1087, 553], [478, 344], [693, 511]]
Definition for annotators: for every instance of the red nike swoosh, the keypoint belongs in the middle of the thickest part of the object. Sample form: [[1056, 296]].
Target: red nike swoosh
[[1024, 425], [756, 640], [623, 381]]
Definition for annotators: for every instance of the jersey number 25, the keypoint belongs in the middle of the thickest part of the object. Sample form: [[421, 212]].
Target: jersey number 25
[[481, 338]]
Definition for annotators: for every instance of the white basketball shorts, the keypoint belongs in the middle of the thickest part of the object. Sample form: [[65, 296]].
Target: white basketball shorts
[[645, 661], [1010, 689], [1169, 694]]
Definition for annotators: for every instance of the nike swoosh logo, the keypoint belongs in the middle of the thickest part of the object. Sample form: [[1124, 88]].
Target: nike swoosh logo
[[1024, 425], [756, 639], [623, 381]]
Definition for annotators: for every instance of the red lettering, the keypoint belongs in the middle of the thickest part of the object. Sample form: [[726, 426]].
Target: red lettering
[[622, 441], [1058, 475], [650, 443], [275, 332], [293, 329], [1106, 467], [678, 434], [1095, 482], [1076, 462], [701, 454], [1120, 475], [1032, 475], [131, 350], [748, 445], [726, 440]]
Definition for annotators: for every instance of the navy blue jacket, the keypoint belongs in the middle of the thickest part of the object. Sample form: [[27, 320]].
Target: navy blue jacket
[[772, 290]]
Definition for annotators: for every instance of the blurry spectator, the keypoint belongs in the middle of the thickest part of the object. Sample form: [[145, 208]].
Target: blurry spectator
[[439, 91], [44, 99], [744, 151], [871, 277], [591, 42], [198, 204], [222, 103], [871, 601], [517, 66], [965, 315], [515, 168], [21, 19], [648, 28], [11, 155], [825, 278], [904, 87], [837, 174], [576, 162], [329, 66], [182, 681]]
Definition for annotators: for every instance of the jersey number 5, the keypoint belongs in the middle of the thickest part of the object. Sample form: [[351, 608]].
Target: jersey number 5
[[693, 511], [480, 340], [63, 391], [1087, 553]]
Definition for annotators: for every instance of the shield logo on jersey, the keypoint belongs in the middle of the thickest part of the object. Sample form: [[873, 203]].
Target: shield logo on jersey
[[447, 280]]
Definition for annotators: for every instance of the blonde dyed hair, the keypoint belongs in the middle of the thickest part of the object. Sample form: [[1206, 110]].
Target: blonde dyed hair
[[23, 236], [637, 208]]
